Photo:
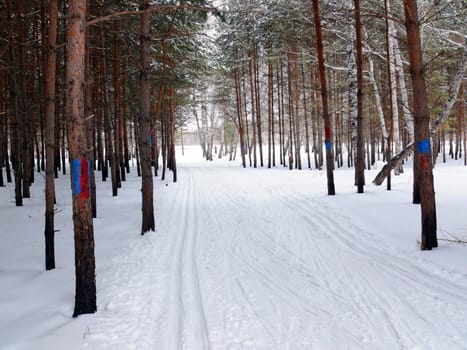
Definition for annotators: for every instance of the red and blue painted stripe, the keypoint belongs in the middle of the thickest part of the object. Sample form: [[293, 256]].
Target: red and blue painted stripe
[[81, 177]]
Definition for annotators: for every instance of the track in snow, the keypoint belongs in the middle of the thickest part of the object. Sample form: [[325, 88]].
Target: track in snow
[[243, 260]]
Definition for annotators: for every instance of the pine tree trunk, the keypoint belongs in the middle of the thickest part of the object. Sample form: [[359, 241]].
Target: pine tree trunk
[[126, 148], [49, 136], [258, 107], [279, 114], [390, 97], [58, 127], [245, 109], [270, 113], [360, 154], [24, 123], [108, 125], [90, 126], [85, 296], [273, 137], [62, 148], [291, 137], [241, 129], [148, 222], [15, 127], [305, 113], [394, 99], [253, 109], [298, 158], [324, 101], [119, 166], [422, 131], [4, 146]]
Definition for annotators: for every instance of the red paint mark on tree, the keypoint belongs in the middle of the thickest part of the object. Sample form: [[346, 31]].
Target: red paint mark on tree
[[327, 132], [424, 161], [84, 179]]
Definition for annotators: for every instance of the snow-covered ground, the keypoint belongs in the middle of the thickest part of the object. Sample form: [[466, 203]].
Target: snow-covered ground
[[242, 259]]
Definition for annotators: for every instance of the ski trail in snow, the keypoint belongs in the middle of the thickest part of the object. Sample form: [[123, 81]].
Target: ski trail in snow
[[250, 262], [418, 283], [186, 319]]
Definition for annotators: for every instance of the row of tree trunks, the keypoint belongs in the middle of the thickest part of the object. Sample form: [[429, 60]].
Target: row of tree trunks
[[453, 93], [56, 113]]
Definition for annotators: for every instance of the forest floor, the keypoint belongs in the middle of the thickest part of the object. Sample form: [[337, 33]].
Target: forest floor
[[243, 259]]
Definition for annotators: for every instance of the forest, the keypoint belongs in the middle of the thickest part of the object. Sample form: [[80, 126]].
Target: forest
[[87, 86]]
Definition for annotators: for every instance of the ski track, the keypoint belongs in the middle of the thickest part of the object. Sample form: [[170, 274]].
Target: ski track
[[186, 319], [222, 274]]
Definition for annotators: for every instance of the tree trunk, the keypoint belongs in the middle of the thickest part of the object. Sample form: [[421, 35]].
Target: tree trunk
[[360, 154], [258, 107], [118, 136], [391, 34], [90, 126], [253, 108], [270, 112], [290, 145], [324, 101], [49, 136], [148, 223], [108, 125], [279, 114], [390, 97], [85, 297], [422, 131], [298, 158], [16, 124], [305, 113], [241, 129], [173, 160]]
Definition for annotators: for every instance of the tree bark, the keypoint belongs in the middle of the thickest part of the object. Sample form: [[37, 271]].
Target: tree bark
[[49, 136], [16, 124], [422, 132], [85, 298], [297, 137], [390, 97], [120, 166], [360, 154], [90, 126], [324, 101], [148, 222], [258, 106]]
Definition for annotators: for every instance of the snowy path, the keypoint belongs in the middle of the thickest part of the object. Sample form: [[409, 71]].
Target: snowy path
[[256, 262]]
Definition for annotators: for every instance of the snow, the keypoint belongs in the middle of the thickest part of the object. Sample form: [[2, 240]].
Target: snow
[[242, 259]]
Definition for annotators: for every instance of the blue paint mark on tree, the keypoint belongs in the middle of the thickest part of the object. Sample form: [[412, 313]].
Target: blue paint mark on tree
[[76, 164], [423, 146]]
